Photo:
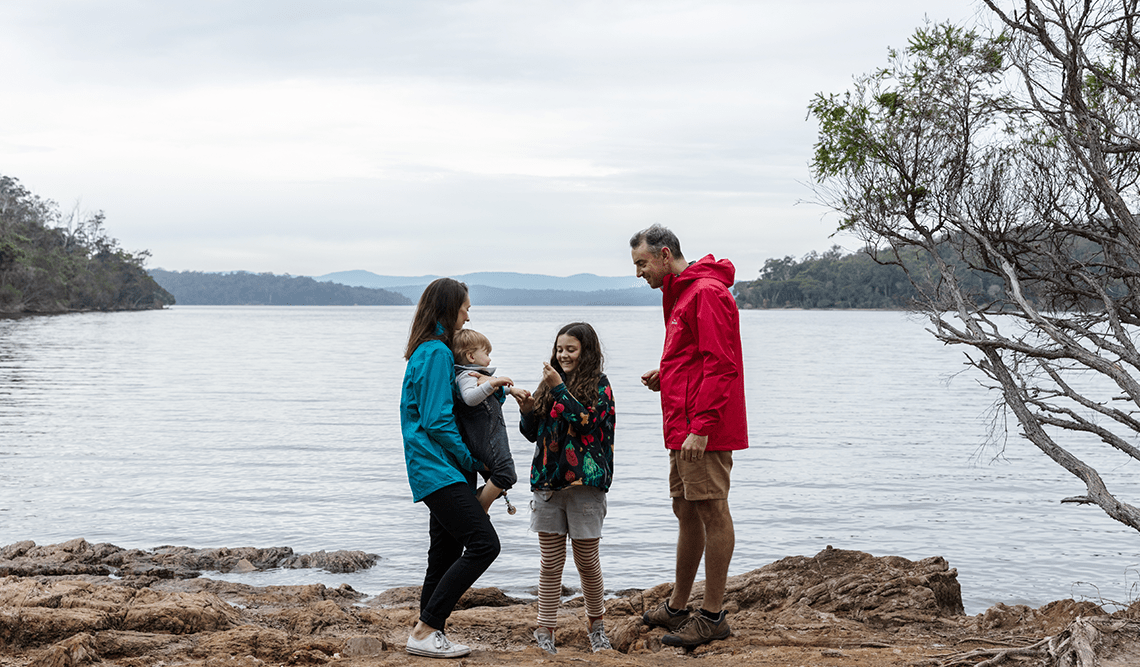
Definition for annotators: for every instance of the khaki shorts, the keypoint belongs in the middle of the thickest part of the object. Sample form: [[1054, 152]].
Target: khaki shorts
[[706, 479]]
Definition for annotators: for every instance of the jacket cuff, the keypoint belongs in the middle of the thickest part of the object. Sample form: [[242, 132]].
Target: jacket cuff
[[700, 427]]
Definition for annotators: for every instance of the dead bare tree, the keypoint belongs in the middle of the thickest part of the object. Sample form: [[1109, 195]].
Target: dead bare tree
[[1012, 149]]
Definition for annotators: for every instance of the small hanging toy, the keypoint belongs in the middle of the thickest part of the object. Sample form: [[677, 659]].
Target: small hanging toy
[[510, 508]]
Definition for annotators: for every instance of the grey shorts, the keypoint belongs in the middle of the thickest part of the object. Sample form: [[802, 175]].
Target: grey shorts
[[577, 511]]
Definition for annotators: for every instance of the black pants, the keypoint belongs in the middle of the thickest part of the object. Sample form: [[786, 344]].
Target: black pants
[[463, 546]]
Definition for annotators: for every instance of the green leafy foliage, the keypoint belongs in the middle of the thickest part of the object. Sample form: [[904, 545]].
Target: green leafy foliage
[[48, 266]]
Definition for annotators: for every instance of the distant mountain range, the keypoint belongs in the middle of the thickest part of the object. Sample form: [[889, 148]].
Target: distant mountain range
[[490, 288], [367, 288]]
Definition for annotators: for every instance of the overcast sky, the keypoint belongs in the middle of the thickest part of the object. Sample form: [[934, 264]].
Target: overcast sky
[[419, 136]]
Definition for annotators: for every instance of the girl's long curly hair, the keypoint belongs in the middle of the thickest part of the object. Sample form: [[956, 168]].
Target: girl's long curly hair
[[583, 381]]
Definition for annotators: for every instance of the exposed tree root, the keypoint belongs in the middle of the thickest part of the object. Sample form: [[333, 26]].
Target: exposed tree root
[[1087, 642]]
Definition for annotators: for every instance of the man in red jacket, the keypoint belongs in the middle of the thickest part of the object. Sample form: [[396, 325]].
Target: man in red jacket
[[701, 380]]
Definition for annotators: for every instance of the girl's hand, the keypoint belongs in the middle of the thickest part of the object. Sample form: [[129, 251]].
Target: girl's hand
[[526, 402], [550, 377]]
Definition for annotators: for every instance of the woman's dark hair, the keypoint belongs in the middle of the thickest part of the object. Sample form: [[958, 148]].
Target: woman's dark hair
[[438, 309], [583, 381]]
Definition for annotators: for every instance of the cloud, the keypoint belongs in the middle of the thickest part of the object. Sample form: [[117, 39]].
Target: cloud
[[433, 137]]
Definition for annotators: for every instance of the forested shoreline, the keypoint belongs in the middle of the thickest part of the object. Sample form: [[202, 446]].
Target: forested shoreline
[[834, 279], [53, 264], [242, 288]]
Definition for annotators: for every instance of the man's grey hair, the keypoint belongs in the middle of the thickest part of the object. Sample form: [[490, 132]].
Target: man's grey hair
[[657, 237]]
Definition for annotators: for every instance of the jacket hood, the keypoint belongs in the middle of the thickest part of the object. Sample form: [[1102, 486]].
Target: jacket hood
[[708, 266]]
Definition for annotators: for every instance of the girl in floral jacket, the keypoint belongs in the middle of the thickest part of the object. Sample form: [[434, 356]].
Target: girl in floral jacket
[[570, 418]]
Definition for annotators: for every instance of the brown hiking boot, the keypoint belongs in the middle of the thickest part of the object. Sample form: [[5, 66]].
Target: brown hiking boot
[[699, 630], [661, 617]]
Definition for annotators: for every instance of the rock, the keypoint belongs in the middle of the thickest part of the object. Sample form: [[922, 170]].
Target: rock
[[312, 618], [16, 549], [178, 613], [32, 613], [409, 596], [220, 560], [78, 649], [78, 558], [404, 596], [337, 561], [363, 647], [41, 625], [263, 643], [123, 644], [486, 597], [244, 567], [853, 585], [846, 608], [625, 633], [1050, 619], [146, 570]]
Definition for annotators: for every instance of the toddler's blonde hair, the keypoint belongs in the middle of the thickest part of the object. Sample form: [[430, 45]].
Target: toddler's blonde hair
[[466, 341]]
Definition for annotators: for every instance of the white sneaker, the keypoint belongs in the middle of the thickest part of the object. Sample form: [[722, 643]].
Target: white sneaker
[[598, 639], [436, 645], [545, 640]]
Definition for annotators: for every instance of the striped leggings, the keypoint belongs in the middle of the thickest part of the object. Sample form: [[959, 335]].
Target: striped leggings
[[552, 547]]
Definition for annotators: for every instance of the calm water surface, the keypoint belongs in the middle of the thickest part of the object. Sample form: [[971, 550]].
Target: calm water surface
[[279, 426]]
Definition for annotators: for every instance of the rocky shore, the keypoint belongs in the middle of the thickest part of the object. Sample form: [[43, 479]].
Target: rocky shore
[[77, 603]]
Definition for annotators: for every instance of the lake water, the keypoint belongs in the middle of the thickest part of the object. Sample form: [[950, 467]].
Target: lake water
[[279, 426]]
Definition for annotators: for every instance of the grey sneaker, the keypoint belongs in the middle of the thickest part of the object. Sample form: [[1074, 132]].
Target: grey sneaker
[[598, 639], [661, 617], [436, 645], [699, 630], [545, 640]]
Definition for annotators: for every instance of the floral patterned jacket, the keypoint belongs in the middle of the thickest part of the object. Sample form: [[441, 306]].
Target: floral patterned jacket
[[574, 443]]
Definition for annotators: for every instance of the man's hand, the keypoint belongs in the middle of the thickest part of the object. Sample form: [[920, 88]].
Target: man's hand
[[652, 379], [693, 449]]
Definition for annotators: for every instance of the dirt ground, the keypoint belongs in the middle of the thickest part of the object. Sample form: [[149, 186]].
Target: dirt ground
[[836, 609]]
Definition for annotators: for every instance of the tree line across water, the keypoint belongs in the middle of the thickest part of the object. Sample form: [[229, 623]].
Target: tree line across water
[[242, 288], [51, 263], [834, 279]]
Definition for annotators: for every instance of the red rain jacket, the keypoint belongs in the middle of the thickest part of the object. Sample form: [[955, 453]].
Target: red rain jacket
[[702, 366]]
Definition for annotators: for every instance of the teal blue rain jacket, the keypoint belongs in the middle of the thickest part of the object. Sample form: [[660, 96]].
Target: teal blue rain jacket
[[435, 454]]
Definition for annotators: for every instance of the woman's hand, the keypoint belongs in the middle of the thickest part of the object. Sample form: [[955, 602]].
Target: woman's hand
[[525, 400]]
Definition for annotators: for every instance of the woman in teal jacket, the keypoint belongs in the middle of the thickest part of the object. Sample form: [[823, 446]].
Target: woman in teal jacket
[[441, 469]]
